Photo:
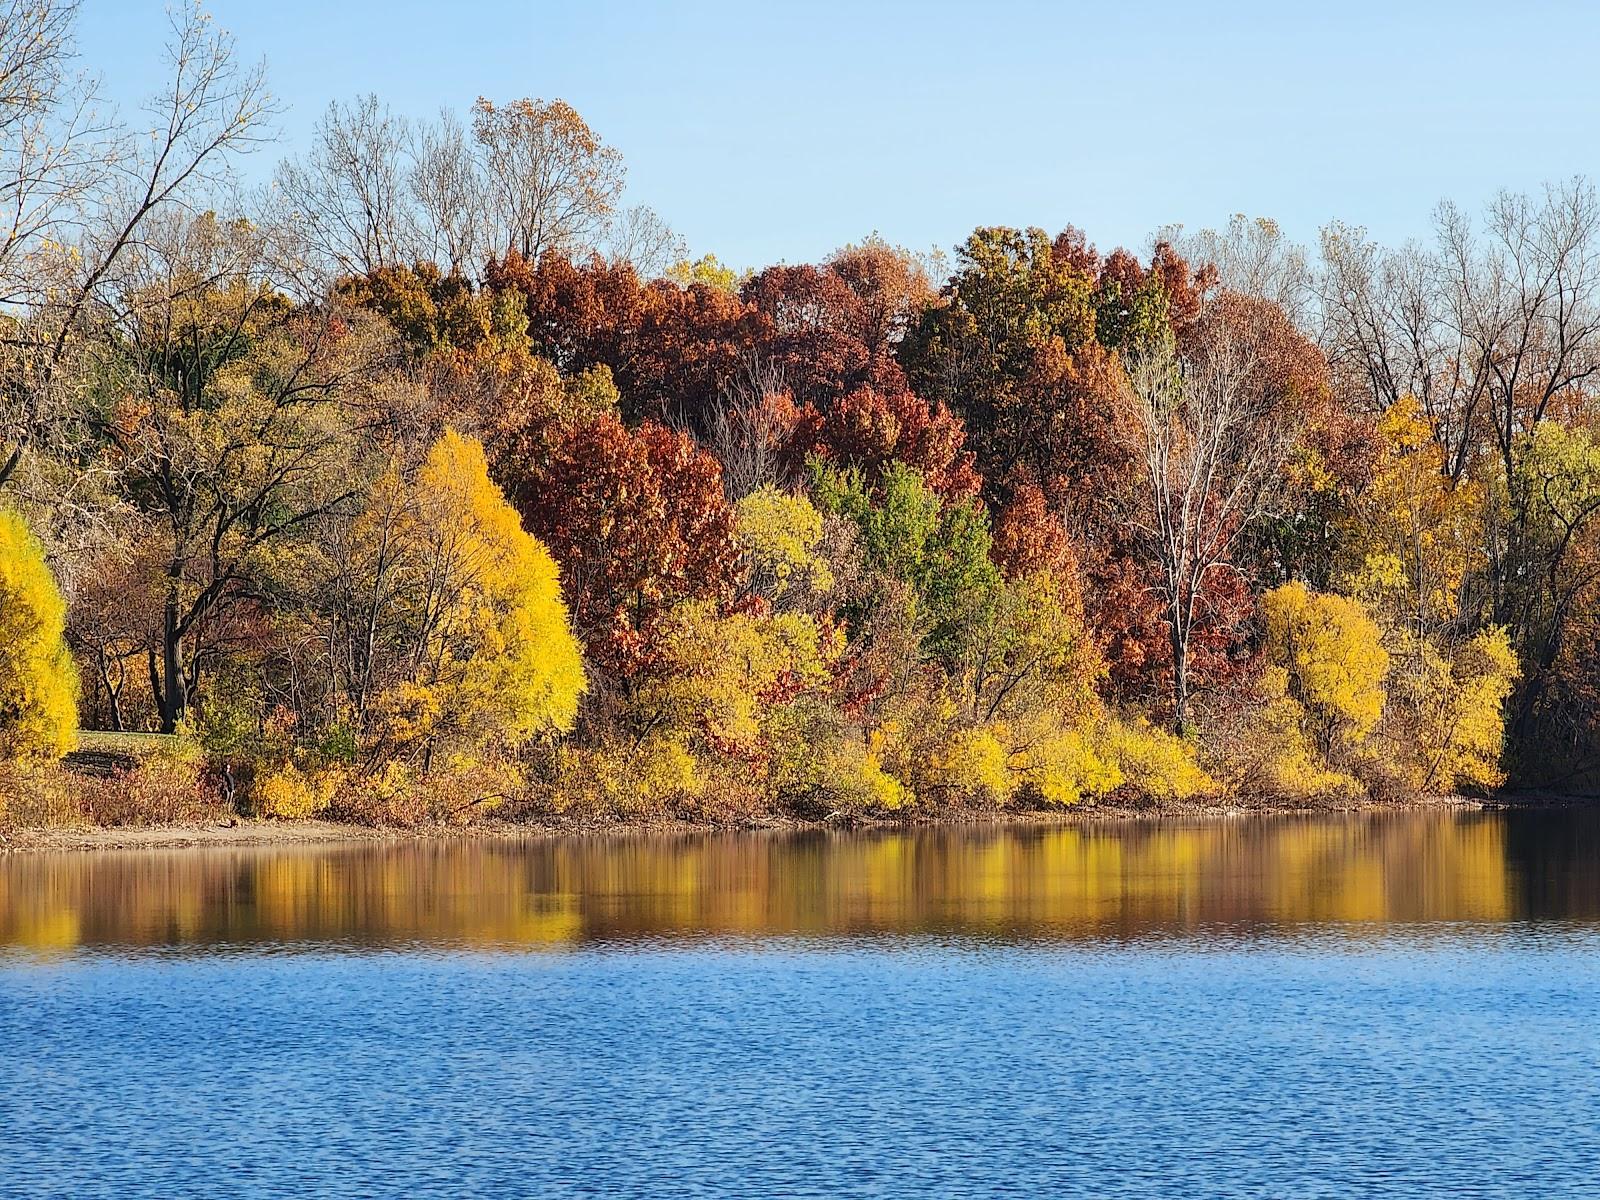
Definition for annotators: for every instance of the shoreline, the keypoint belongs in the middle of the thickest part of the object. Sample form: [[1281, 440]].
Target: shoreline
[[251, 833]]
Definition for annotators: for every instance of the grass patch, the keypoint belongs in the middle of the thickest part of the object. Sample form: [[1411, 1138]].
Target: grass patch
[[135, 745]]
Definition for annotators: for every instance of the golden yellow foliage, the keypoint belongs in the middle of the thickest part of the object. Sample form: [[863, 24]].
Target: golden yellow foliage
[[728, 670], [38, 680], [291, 793], [1449, 724], [1280, 757], [779, 534], [496, 659], [649, 777], [1064, 765], [973, 762], [1330, 654], [1414, 534], [853, 776], [1156, 762]]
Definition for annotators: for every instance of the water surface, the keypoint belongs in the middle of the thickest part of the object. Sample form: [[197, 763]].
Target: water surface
[[1399, 1004]]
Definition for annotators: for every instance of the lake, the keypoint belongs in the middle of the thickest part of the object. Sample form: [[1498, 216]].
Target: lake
[[1401, 1004]]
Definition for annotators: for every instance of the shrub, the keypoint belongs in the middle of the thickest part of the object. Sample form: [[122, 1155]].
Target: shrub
[[973, 763], [1327, 656], [1063, 765], [1155, 762], [291, 793]]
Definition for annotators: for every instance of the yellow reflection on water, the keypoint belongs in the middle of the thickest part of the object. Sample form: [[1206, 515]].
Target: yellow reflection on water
[[1095, 880]]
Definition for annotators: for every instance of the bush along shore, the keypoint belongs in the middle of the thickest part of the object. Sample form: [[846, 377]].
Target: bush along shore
[[495, 504]]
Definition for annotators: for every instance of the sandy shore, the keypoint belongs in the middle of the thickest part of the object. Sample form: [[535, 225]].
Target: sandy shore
[[240, 832]]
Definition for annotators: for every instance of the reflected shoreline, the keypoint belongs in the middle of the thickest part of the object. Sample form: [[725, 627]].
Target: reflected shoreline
[[1049, 883]]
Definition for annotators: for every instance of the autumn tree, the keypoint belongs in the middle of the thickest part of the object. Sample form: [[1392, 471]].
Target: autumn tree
[[51, 141], [998, 351], [779, 536], [227, 428], [639, 237], [551, 182], [470, 607], [38, 682], [870, 429], [639, 523], [446, 187], [671, 349], [1322, 690], [1253, 257], [892, 286], [1414, 536], [210, 109], [1214, 434], [812, 327], [908, 534]]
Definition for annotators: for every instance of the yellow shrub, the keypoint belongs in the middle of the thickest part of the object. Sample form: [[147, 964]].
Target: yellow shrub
[[975, 763], [725, 668], [852, 776], [1331, 656], [291, 793], [1414, 534], [1063, 766], [497, 659], [1158, 764], [651, 777], [1449, 727], [1281, 757], [38, 681], [779, 534], [1484, 672], [37, 794]]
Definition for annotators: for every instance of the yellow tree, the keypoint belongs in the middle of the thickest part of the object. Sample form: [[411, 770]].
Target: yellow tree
[[1416, 539], [38, 682], [1415, 535], [1326, 655], [491, 655], [779, 535]]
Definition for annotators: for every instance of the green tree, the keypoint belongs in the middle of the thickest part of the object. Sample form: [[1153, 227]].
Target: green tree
[[942, 551]]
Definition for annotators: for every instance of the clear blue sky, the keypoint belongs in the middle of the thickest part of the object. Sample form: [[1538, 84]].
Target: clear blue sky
[[767, 132]]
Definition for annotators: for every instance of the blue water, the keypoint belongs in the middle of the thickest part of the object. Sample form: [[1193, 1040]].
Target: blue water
[[1443, 1056]]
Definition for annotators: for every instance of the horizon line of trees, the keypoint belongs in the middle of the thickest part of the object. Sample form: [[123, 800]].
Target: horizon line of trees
[[433, 462]]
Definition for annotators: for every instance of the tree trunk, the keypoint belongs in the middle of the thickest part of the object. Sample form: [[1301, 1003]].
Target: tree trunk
[[155, 689], [175, 692], [1180, 682]]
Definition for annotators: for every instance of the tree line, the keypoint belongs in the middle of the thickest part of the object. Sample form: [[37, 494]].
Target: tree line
[[429, 477]]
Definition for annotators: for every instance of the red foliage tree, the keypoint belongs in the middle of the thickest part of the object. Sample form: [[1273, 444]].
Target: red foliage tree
[[870, 429], [638, 522], [808, 324], [670, 348], [1029, 537]]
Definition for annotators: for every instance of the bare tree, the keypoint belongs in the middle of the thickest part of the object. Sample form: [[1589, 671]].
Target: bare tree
[[746, 430], [52, 143], [640, 237], [1487, 329], [350, 193], [1253, 258], [552, 183], [1493, 328], [1212, 442], [447, 185]]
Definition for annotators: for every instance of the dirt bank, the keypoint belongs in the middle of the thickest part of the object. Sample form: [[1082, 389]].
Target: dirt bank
[[243, 832]]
